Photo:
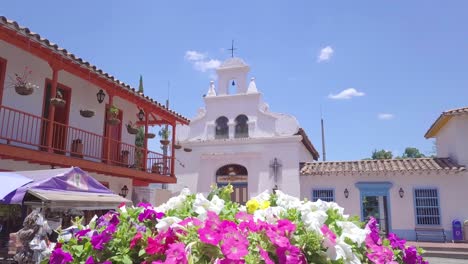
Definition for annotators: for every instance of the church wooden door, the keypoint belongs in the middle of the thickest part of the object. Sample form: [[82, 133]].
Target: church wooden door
[[236, 175]]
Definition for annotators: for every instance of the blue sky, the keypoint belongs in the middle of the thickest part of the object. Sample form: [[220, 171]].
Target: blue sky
[[407, 59]]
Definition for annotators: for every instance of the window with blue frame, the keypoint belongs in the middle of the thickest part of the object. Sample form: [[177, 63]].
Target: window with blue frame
[[427, 206], [327, 195]]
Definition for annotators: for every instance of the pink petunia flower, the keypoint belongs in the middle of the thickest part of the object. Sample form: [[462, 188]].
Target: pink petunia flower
[[60, 257], [233, 250], [135, 240], [176, 254], [209, 236], [265, 256], [330, 237]]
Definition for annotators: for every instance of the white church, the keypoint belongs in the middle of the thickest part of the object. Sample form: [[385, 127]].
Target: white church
[[236, 139]]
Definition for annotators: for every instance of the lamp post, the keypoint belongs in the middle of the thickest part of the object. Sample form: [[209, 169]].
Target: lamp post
[[100, 96]]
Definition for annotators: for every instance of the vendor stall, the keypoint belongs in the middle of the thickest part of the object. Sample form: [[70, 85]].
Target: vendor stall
[[59, 195]]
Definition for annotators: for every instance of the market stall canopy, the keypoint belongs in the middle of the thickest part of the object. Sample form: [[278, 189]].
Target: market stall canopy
[[10, 182], [69, 187]]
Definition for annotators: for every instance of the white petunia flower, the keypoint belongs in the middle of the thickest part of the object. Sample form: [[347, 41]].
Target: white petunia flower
[[353, 232], [314, 220], [201, 205], [262, 197], [167, 222], [175, 202], [287, 201], [269, 215]]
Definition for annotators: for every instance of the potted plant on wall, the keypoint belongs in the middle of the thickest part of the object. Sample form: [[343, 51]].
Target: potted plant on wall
[[87, 113], [58, 101], [164, 134], [150, 135], [113, 116], [177, 145], [131, 129], [21, 84]]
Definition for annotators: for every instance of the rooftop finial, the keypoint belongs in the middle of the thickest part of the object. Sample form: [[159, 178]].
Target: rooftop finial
[[211, 90], [232, 49], [252, 86]]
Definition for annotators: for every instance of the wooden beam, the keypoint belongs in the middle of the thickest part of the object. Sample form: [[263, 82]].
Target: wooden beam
[[40, 157]]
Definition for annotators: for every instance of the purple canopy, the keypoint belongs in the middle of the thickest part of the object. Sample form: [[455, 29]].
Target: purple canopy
[[69, 179]]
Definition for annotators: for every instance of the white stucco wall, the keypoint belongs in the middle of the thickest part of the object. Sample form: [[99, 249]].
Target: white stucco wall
[[199, 168], [451, 188], [452, 140]]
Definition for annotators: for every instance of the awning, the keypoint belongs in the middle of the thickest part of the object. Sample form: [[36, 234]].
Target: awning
[[75, 200]]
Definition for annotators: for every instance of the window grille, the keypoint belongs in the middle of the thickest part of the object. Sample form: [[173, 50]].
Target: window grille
[[326, 195], [427, 206]]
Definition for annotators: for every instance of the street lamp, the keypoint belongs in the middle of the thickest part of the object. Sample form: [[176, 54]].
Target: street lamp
[[100, 96], [141, 115]]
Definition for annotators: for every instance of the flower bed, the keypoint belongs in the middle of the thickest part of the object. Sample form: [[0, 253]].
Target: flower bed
[[271, 228]]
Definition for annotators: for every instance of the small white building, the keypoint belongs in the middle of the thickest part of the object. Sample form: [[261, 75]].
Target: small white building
[[405, 195], [236, 139]]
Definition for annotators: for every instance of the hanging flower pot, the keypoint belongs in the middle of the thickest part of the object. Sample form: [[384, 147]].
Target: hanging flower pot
[[24, 88], [58, 102], [113, 113], [87, 113], [113, 121], [177, 146], [21, 82], [187, 149], [132, 130], [164, 142], [150, 135]]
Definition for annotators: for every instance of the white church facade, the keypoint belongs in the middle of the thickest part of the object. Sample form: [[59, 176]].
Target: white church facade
[[236, 139]]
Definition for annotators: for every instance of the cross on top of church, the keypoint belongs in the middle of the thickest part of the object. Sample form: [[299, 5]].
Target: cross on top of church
[[232, 49]]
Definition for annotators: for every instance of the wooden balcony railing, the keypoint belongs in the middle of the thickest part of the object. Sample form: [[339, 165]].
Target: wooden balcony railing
[[25, 130]]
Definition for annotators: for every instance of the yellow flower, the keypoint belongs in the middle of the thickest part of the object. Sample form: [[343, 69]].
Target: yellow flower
[[252, 206], [265, 205]]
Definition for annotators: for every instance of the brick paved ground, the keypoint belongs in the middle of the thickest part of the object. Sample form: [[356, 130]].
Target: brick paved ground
[[446, 261]]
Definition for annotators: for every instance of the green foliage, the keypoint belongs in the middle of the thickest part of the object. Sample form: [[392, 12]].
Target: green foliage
[[164, 133], [411, 152], [381, 154]]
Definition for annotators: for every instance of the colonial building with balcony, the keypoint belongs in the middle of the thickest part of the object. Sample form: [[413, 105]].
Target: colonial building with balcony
[[58, 110]]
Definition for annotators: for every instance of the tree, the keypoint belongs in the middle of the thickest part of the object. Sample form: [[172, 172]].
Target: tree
[[381, 154], [412, 153]]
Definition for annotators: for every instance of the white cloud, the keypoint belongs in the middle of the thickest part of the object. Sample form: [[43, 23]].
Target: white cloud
[[192, 55], [385, 116], [204, 65], [200, 61], [325, 54], [346, 94]]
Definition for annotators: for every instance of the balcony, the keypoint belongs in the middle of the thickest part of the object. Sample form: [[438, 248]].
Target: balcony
[[23, 136]]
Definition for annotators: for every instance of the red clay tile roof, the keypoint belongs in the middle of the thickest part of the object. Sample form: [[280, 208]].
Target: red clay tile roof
[[308, 145], [383, 165], [13, 25], [443, 119]]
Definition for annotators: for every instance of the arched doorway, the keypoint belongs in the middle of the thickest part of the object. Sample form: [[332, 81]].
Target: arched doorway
[[236, 175]]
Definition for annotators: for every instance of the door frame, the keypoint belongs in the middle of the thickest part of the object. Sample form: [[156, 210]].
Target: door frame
[[375, 189], [3, 66], [67, 108], [104, 152]]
